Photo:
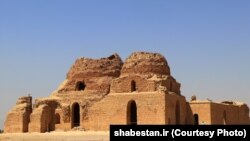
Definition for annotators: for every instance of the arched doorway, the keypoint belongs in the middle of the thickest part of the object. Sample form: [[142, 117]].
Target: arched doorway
[[133, 86], [75, 121], [80, 86], [196, 119], [177, 113], [131, 113]]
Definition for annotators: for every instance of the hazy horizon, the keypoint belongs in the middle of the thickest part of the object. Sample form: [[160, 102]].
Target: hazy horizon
[[206, 43]]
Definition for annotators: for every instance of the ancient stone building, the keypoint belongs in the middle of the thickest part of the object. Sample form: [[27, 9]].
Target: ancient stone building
[[100, 92]]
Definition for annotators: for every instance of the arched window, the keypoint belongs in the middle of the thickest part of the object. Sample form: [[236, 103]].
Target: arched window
[[133, 86], [196, 119], [80, 86], [131, 113], [75, 115]]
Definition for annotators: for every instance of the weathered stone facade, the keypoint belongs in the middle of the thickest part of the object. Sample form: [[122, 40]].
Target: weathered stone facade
[[100, 92], [19, 117]]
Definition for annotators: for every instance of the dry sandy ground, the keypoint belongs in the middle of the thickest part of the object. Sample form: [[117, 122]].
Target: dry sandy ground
[[56, 136]]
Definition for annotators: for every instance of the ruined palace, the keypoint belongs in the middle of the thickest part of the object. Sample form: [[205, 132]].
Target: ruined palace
[[100, 92]]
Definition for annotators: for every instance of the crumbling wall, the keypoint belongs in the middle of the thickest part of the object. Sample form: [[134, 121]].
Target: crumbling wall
[[40, 119], [229, 112], [224, 114], [17, 120], [145, 63], [94, 74], [104, 87], [243, 113], [149, 71], [43, 118]]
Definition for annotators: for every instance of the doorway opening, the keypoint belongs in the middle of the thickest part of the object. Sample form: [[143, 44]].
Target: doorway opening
[[133, 86], [196, 119], [80, 86], [132, 113], [75, 115]]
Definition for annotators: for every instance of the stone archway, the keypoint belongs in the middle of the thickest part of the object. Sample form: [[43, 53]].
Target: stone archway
[[75, 121], [131, 113], [196, 119], [80, 86]]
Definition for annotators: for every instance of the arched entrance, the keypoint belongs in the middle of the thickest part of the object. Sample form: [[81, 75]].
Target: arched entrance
[[196, 119], [75, 121], [177, 113], [132, 113], [80, 86]]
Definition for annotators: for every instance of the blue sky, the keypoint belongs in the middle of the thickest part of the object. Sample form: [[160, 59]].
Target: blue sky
[[206, 43]]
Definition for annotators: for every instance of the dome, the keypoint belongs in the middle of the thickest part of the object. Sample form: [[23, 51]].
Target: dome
[[87, 67], [145, 63]]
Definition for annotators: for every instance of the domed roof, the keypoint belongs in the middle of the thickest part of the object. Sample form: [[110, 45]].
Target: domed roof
[[145, 63], [87, 67]]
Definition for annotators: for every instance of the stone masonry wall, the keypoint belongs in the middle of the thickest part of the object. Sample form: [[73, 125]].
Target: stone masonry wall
[[175, 109], [113, 110], [94, 74], [149, 71], [104, 90], [203, 109], [228, 114], [18, 118]]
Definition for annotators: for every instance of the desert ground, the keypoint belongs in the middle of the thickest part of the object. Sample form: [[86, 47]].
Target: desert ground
[[56, 136]]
